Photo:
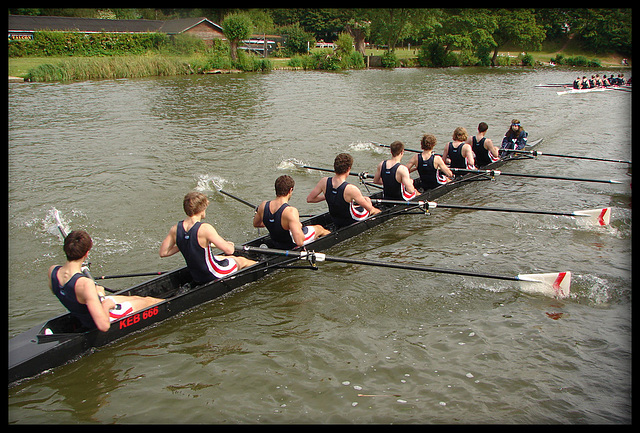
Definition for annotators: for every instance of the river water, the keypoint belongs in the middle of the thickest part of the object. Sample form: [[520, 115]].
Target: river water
[[346, 343]]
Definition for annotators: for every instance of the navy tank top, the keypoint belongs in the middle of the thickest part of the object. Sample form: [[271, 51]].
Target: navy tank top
[[67, 296], [481, 154], [280, 237], [455, 154], [201, 262], [427, 172], [339, 209], [391, 188]]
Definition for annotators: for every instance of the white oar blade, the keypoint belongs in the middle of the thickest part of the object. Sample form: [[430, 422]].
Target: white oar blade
[[599, 217], [557, 284]]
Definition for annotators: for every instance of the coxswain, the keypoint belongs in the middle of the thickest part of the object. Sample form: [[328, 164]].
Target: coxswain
[[457, 153], [394, 177], [283, 220], [483, 149], [432, 171], [515, 138], [345, 201]]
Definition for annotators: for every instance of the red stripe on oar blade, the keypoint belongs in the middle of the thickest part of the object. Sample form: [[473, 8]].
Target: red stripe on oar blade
[[603, 219], [558, 282]]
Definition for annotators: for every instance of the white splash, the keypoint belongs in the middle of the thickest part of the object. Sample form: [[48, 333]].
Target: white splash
[[207, 181]]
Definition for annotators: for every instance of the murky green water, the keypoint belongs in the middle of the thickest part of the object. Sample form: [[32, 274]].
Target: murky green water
[[345, 344]]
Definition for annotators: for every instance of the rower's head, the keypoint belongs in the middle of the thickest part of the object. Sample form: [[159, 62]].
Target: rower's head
[[397, 147], [77, 245], [482, 127], [460, 134], [194, 203], [428, 142], [284, 185], [343, 163], [515, 124]]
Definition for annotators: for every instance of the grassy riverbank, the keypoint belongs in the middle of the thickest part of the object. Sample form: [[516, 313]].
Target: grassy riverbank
[[83, 68]]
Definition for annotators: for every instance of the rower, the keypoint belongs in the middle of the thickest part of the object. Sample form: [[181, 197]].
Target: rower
[[483, 149], [585, 82], [577, 84], [457, 153], [79, 293], [283, 220], [394, 177], [345, 201], [515, 138], [194, 239], [431, 168]]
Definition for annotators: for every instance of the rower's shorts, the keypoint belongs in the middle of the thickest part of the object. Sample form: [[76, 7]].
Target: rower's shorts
[[120, 310], [222, 266], [309, 234]]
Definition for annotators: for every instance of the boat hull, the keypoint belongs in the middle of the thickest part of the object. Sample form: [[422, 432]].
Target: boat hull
[[61, 340]]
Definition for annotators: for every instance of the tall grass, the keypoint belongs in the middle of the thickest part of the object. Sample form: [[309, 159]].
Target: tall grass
[[95, 68]]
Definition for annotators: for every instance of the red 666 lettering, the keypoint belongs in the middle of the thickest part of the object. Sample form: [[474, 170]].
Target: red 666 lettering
[[135, 318]]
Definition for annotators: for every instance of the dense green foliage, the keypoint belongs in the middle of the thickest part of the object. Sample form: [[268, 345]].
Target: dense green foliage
[[46, 43], [444, 37], [599, 30]]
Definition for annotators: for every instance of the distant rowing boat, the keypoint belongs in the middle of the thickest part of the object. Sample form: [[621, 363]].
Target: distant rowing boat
[[594, 89], [568, 88]]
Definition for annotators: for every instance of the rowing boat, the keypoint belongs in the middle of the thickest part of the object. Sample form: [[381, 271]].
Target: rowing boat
[[592, 89], [61, 340]]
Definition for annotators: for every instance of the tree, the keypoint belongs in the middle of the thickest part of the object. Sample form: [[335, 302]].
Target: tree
[[517, 27], [391, 25], [359, 30], [236, 27]]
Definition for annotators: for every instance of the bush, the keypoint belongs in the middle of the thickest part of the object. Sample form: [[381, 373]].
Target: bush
[[579, 61], [389, 60]]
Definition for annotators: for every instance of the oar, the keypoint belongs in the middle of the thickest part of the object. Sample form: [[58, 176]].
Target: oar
[[56, 216], [237, 198], [362, 175], [554, 85], [388, 146], [559, 155], [251, 205], [537, 176], [600, 216], [556, 284], [142, 274]]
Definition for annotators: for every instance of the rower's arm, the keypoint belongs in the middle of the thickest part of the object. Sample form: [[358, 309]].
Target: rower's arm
[[317, 194]]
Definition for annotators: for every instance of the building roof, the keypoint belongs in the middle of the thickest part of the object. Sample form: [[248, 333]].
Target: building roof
[[26, 23]]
